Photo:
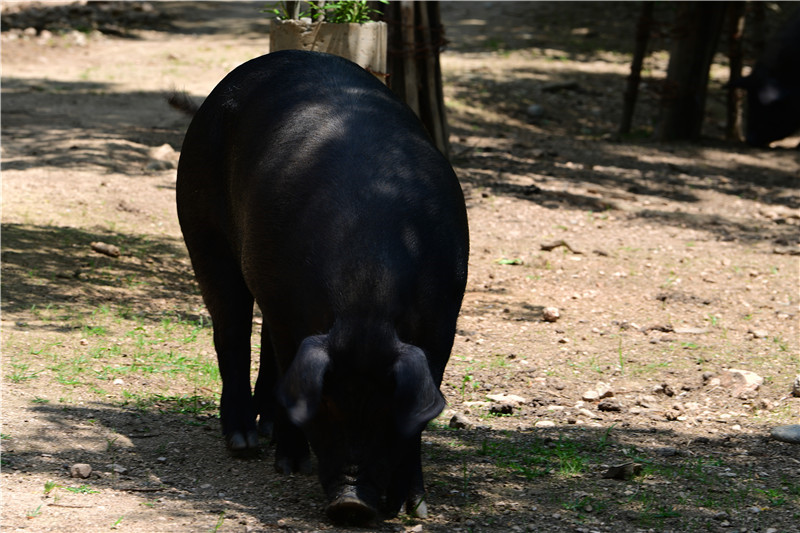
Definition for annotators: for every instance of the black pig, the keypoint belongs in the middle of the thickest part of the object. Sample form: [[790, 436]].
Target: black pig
[[773, 88], [305, 184]]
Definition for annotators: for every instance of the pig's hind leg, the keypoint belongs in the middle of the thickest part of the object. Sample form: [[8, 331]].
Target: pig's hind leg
[[231, 307]]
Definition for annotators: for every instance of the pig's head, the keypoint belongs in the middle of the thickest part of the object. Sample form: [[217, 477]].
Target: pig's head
[[362, 409]]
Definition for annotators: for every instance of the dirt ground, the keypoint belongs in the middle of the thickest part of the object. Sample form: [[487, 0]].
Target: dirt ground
[[668, 266]]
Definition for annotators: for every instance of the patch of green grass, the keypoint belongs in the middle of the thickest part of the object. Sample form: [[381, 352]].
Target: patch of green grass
[[21, 373], [180, 404], [83, 489], [541, 457], [781, 344], [50, 486]]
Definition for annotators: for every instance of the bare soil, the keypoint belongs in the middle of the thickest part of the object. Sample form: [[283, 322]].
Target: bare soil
[[668, 265]]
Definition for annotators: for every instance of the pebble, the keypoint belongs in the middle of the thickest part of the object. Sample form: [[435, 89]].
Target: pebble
[[460, 421], [502, 408], [741, 383], [551, 314], [624, 471], [604, 390], [790, 434], [609, 404], [544, 424], [796, 387], [81, 470], [590, 396], [106, 249], [119, 469], [507, 398]]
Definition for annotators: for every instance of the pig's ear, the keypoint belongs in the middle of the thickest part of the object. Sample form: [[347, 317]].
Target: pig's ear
[[417, 399], [301, 388]]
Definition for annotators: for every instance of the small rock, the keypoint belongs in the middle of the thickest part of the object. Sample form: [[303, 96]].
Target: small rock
[[604, 390], [647, 401], [460, 421], [502, 409], [759, 333], [545, 424], [742, 383], [507, 398], [106, 249], [119, 469], [588, 414], [624, 471], [118, 381], [551, 314], [81, 470], [796, 387], [789, 434], [416, 529], [665, 389], [610, 404], [590, 396], [162, 459], [164, 152]]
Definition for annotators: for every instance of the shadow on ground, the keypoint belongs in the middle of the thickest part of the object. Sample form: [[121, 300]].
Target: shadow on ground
[[56, 266], [527, 477]]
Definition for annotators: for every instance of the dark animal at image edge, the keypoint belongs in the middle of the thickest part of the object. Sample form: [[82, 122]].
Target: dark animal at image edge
[[306, 185], [773, 88]]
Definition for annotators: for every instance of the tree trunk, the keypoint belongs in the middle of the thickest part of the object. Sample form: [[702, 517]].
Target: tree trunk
[[416, 37], [733, 122], [697, 29], [632, 88]]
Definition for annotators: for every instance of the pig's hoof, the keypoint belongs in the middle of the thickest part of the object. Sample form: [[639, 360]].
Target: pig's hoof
[[350, 509], [288, 465], [243, 445]]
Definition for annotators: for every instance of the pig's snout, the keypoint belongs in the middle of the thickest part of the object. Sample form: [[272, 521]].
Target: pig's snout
[[349, 507]]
